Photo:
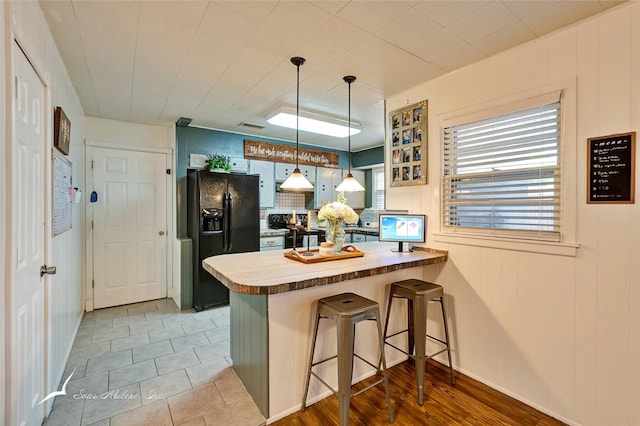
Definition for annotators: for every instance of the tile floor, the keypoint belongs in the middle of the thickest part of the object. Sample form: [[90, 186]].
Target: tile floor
[[150, 364]]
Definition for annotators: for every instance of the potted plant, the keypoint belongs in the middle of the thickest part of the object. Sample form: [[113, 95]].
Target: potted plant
[[218, 163]]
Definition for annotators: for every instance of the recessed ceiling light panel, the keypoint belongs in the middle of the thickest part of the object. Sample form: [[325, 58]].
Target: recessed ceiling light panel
[[313, 122]]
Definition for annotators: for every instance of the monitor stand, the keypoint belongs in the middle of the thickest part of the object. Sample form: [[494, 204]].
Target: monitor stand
[[400, 249]]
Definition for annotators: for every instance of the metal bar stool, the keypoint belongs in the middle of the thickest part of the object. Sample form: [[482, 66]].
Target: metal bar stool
[[346, 309], [418, 293]]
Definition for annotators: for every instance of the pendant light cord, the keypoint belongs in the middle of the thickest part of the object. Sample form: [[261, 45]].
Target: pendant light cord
[[349, 129], [297, 111], [349, 79]]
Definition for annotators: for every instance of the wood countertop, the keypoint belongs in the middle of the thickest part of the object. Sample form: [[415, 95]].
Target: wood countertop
[[269, 272]]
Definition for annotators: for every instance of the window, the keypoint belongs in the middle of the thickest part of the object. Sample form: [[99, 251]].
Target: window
[[377, 201], [501, 171]]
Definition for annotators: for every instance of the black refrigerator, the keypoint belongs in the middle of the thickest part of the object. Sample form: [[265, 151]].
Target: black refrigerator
[[223, 217]]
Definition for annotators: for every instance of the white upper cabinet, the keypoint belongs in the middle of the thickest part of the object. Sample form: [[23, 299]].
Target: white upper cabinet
[[267, 181], [283, 170], [326, 182]]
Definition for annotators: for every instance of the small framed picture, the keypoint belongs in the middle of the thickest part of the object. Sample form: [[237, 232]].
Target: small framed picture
[[417, 153], [61, 131], [406, 155], [406, 174], [417, 115], [396, 156], [395, 136], [406, 118], [416, 172], [417, 134], [406, 136], [395, 121]]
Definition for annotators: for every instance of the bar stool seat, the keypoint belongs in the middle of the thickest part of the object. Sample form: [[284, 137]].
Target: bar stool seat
[[418, 293], [346, 310]]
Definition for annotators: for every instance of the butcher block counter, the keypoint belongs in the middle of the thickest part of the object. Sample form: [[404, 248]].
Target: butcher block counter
[[271, 298]]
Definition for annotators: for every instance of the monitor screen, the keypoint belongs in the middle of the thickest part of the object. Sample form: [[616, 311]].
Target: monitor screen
[[403, 228]]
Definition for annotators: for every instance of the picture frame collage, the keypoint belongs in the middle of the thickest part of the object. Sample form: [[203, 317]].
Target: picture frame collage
[[408, 145]]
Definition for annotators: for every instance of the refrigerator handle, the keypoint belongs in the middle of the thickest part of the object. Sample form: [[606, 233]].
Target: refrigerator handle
[[228, 221], [225, 237]]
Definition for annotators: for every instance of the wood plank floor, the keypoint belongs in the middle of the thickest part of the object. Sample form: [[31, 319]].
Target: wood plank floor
[[468, 402]]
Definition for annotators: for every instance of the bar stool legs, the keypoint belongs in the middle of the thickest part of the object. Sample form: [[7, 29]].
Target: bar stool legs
[[418, 293], [346, 310]]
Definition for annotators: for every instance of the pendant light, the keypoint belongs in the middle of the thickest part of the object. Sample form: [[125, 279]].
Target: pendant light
[[349, 184], [297, 181]]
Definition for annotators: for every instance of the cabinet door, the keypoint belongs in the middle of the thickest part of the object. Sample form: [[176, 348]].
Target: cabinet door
[[239, 165], [271, 243], [326, 181], [267, 181], [309, 172], [358, 238], [283, 170], [312, 239]]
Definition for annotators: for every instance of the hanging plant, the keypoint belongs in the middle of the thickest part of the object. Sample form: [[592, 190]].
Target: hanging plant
[[218, 163]]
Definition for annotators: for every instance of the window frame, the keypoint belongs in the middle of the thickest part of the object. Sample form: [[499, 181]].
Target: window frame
[[374, 192], [567, 152]]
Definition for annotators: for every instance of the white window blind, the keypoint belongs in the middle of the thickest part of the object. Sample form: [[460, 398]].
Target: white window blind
[[378, 190], [501, 173]]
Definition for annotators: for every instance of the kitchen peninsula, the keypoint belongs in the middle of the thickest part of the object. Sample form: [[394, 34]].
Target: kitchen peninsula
[[271, 301]]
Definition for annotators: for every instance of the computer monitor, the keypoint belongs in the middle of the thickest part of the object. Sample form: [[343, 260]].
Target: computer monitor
[[403, 228]]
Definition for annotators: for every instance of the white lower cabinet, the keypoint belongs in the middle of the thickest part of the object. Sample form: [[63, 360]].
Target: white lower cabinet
[[358, 238], [272, 243], [313, 241]]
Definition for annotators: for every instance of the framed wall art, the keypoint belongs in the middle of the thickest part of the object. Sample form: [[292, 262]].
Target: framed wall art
[[407, 153], [611, 162], [61, 131]]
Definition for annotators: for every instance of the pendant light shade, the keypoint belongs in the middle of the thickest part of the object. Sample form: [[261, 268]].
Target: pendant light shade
[[349, 184], [297, 181]]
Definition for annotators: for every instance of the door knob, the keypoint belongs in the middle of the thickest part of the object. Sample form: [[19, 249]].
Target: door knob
[[47, 270], [161, 233]]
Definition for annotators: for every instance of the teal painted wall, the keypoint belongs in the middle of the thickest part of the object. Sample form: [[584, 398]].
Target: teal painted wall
[[205, 141], [368, 157]]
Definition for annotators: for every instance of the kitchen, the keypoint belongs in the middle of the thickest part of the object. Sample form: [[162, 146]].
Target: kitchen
[[556, 329]]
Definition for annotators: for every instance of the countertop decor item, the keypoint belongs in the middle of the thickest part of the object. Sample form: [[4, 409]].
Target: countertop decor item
[[347, 252], [335, 213]]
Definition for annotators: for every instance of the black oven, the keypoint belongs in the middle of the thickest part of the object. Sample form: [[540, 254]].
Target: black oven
[[300, 238], [280, 221]]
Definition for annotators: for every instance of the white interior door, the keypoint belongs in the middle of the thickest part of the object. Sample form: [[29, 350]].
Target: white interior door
[[26, 330], [129, 227]]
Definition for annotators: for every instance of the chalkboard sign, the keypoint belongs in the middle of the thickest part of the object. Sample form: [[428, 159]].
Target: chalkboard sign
[[611, 168]]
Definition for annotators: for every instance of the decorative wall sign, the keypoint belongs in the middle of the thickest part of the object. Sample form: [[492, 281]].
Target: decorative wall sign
[[62, 193], [407, 156], [611, 169], [258, 150], [61, 131]]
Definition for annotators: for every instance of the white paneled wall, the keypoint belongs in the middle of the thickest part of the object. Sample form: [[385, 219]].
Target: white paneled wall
[[65, 251], [3, 217], [561, 333]]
